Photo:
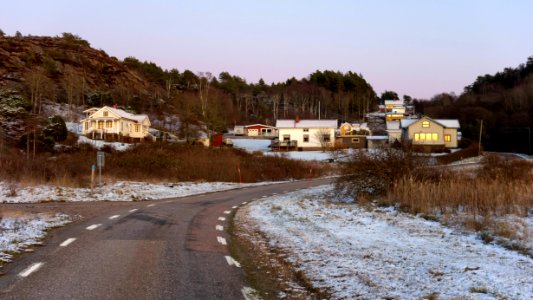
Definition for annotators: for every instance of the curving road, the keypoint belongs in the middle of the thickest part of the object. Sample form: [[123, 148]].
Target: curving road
[[165, 249]]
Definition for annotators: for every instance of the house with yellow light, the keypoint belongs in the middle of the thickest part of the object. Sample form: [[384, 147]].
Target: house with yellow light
[[430, 134], [109, 123]]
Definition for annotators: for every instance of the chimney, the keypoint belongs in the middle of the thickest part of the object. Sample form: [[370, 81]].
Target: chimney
[[297, 119]]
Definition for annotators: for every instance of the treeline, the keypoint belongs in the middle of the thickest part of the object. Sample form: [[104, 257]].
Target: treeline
[[504, 101], [326, 94]]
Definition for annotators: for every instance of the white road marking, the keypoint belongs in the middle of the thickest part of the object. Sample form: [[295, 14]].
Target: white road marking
[[234, 207], [94, 226], [221, 219], [219, 227], [249, 294], [133, 210], [150, 205], [232, 262], [67, 242], [227, 212], [114, 217], [31, 269], [222, 240]]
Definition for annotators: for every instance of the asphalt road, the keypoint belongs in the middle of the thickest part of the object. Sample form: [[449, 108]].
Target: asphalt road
[[164, 249]]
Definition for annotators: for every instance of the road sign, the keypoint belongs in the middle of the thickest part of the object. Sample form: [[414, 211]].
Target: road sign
[[100, 159]]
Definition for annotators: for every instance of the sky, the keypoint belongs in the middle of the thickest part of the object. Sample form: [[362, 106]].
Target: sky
[[417, 48]]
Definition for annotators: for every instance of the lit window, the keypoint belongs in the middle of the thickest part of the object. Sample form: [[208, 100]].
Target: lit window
[[425, 124], [447, 138], [417, 137], [306, 138], [435, 136], [422, 136]]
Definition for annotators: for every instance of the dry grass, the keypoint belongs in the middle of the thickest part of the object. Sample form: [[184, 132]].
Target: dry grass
[[154, 162]]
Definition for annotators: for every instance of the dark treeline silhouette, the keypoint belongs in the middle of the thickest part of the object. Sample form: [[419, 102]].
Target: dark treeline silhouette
[[504, 101]]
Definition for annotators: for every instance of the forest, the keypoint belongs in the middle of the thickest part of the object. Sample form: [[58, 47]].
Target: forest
[[503, 101]]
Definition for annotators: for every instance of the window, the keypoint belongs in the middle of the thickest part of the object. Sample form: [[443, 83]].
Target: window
[[100, 124], [425, 124], [306, 138], [417, 137], [109, 124], [447, 138], [355, 140], [423, 136], [435, 136], [306, 129], [327, 138], [286, 137], [137, 127], [106, 113]]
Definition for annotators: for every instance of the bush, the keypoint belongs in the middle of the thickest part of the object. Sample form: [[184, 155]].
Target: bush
[[56, 129], [374, 173]]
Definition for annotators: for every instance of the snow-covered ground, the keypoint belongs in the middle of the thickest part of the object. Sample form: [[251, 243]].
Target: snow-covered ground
[[98, 144], [118, 191], [18, 231], [252, 145], [376, 253]]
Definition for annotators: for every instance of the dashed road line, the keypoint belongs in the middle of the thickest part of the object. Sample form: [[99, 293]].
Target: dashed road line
[[222, 240], [67, 242], [31, 269], [114, 217], [232, 262], [227, 212], [133, 210], [219, 228], [221, 219], [94, 226]]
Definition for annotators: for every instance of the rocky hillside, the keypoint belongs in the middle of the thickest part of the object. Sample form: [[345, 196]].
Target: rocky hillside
[[66, 69]]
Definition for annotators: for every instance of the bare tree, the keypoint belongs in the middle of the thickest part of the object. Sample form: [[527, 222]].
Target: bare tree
[[204, 82], [35, 79], [324, 138]]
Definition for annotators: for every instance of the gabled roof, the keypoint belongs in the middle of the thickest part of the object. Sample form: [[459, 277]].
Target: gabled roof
[[306, 124], [447, 123], [261, 125], [394, 102], [126, 115]]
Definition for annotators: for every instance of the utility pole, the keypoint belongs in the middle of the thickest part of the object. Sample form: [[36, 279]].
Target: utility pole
[[479, 143]]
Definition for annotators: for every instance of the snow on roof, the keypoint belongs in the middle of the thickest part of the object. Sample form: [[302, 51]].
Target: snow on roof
[[306, 124], [393, 125], [127, 115], [393, 102], [448, 123], [377, 137]]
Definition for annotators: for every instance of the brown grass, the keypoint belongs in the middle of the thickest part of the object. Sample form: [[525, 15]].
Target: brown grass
[[502, 186], [155, 162]]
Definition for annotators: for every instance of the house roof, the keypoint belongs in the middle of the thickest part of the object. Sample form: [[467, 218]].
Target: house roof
[[306, 124], [127, 115], [393, 102], [393, 125], [448, 123], [258, 125]]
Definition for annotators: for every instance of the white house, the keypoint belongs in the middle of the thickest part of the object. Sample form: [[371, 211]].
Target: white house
[[108, 122], [305, 134]]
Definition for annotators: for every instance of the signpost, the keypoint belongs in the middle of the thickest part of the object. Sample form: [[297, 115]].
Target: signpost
[[100, 162]]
